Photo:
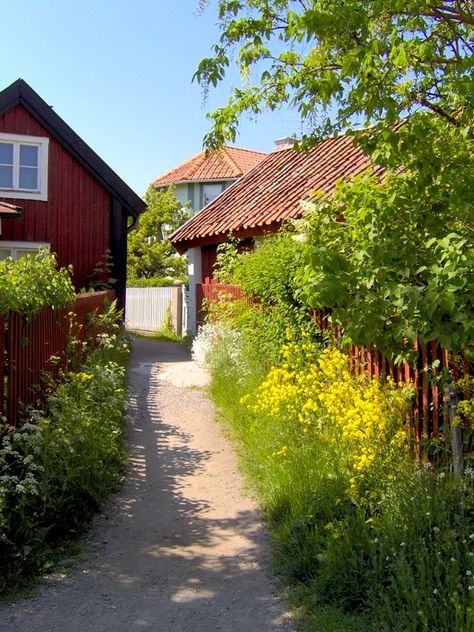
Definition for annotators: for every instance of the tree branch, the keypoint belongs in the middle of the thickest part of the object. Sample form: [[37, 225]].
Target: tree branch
[[438, 110]]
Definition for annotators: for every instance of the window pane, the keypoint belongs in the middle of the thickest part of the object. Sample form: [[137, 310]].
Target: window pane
[[21, 252], [28, 156], [28, 178], [4, 253], [6, 153], [6, 177], [211, 191]]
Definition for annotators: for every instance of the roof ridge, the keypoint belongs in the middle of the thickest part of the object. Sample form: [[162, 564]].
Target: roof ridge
[[176, 167], [224, 163], [229, 158], [250, 151], [195, 164]]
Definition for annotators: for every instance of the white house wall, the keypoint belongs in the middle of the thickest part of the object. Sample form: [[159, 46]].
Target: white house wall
[[195, 276]]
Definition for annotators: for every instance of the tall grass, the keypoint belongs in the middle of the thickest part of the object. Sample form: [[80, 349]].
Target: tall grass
[[357, 524]]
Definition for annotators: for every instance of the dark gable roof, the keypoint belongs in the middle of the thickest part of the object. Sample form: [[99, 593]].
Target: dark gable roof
[[20, 93], [272, 192]]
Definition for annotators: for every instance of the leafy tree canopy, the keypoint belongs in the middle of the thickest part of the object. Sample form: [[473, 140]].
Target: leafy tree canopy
[[391, 258], [150, 254], [344, 63]]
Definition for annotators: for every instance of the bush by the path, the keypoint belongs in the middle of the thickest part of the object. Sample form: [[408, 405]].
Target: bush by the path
[[356, 522], [31, 282], [56, 469]]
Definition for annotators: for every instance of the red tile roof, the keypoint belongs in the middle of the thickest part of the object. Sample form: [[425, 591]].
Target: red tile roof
[[272, 192], [227, 164], [9, 210]]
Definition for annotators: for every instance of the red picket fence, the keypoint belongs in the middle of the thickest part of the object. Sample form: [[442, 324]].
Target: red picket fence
[[33, 349], [209, 292], [429, 407]]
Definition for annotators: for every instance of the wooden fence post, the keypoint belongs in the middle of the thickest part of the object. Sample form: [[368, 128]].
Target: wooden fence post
[[456, 432]]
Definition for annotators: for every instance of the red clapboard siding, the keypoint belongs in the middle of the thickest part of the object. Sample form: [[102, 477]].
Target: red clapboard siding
[[75, 219]]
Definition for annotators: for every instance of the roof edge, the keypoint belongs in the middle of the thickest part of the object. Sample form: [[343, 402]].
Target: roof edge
[[218, 238], [21, 93], [204, 181]]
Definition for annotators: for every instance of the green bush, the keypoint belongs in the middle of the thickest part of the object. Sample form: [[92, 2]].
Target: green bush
[[267, 276], [31, 282], [57, 469]]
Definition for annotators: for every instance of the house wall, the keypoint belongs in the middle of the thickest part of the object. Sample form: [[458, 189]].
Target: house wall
[[185, 193], [193, 192], [76, 218], [208, 260]]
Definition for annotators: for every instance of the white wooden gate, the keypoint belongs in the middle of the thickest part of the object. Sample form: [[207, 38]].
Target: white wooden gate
[[146, 309]]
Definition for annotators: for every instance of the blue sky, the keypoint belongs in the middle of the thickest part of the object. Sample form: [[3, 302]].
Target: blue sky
[[119, 73]]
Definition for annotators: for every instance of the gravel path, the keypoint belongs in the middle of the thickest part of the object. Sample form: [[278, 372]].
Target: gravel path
[[181, 548]]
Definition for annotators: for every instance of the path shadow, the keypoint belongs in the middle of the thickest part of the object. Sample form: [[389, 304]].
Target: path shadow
[[167, 561]]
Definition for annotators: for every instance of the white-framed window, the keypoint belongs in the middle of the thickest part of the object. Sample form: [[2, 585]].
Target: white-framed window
[[23, 166], [210, 192], [17, 249]]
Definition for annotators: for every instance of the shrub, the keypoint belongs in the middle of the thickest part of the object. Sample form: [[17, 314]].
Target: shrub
[[31, 282], [58, 468], [215, 344], [267, 277]]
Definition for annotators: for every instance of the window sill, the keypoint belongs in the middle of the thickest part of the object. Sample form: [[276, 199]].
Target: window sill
[[23, 195]]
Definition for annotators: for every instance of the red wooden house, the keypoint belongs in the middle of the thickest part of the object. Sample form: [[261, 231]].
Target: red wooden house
[[58, 193], [262, 201]]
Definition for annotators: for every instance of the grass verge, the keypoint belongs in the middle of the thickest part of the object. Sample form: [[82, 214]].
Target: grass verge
[[367, 538]]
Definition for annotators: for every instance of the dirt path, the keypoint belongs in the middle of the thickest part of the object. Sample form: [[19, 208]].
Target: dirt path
[[181, 548]]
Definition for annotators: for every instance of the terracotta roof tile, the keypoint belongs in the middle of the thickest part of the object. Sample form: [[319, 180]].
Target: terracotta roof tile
[[226, 164], [9, 210], [272, 192]]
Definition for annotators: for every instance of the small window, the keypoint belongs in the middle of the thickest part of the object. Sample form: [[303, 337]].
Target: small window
[[210, 192], [17, 249], [23, 167]]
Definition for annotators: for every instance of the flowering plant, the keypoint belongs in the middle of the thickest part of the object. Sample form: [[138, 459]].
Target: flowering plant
[[357, 419]]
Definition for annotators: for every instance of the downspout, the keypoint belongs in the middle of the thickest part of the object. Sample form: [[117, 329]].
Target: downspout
[[133, 224]]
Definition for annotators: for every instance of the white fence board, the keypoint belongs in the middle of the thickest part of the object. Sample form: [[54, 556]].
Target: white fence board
[[146, 308]]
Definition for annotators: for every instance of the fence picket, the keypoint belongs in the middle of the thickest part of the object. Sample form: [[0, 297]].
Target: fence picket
[[37, 346]]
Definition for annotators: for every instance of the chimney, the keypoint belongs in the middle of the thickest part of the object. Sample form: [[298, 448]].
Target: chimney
[[285, 143]]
